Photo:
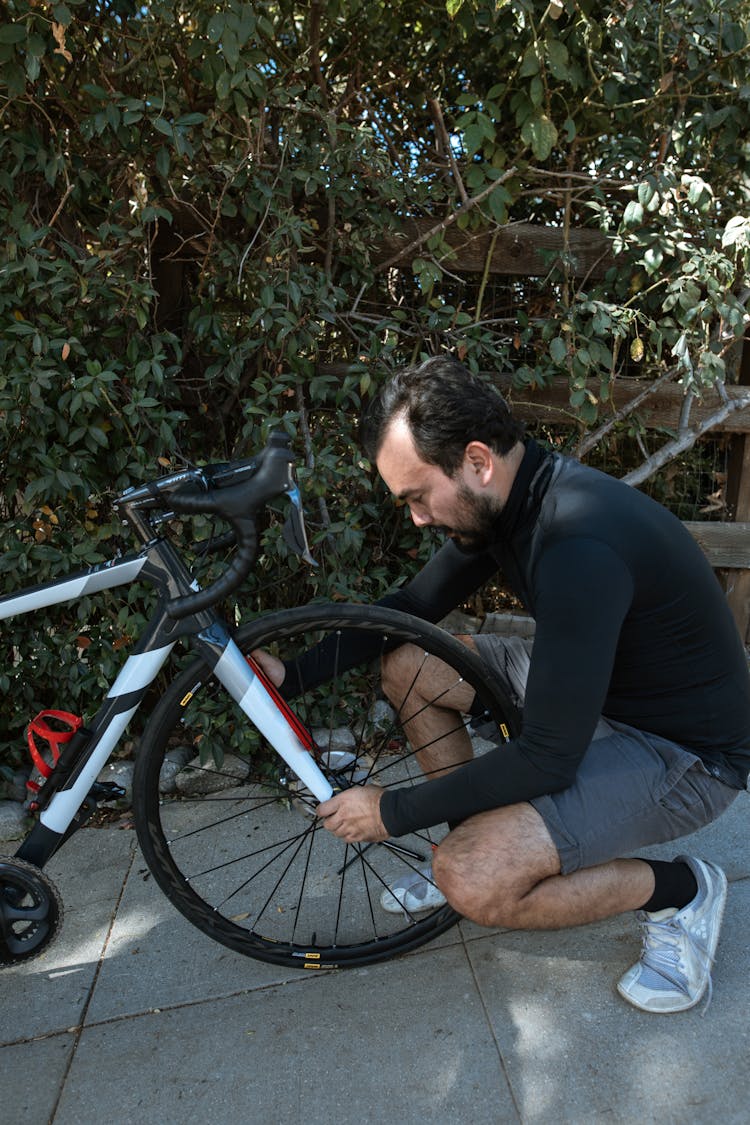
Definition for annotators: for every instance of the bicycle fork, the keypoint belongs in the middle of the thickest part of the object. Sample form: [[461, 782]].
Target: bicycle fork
[[233, 671]]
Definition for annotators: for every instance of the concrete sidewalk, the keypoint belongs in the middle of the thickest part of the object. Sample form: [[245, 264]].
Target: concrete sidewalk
[[133, 1015]]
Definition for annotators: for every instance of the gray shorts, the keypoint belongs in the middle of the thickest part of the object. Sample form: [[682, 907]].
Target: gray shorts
[[632, 788]]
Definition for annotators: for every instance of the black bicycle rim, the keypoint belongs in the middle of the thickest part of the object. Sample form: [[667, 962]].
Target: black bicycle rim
[[249, 863]]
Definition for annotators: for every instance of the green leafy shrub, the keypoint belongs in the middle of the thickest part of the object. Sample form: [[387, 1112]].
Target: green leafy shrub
[[198, 205]]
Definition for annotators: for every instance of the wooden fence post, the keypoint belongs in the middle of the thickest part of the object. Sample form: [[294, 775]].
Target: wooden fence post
[[737, 582]]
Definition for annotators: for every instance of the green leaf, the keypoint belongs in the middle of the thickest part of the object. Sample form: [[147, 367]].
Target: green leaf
[[733, 36], [13, 33], [474, 138], [558, 59], [530, 63], [95, 91], [646, 192], [633, 214], [540, 134], [36, 46], [162, 162], [15, 79], [63, 14], [499, 206], [558, 349], [230, 48], [223, 87], [736, 232], [191, 119], [216, 27], [164, 127]]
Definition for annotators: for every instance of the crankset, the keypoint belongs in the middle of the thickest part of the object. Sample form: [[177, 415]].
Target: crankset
[[31, 911]]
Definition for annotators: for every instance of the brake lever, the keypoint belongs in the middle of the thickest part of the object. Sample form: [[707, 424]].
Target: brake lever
[[294, 532]]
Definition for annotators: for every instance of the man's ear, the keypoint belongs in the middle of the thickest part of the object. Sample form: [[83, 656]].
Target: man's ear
[[478, 461]]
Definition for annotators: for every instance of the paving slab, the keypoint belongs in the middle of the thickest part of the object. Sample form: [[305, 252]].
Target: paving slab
[[135, 1013], [407, 1042], [575, 1052], [32, 1075], [157, 959]]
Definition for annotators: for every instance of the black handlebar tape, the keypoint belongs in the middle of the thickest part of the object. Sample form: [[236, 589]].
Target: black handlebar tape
[[237, 504], [233, 576]]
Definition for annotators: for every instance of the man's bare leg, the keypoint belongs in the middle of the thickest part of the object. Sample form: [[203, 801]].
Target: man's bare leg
[[499, 867], [429, 696]]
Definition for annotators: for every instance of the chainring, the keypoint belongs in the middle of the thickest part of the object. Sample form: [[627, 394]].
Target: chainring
[[31, 911]]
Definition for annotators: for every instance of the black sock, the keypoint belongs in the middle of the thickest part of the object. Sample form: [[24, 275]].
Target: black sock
[[675, 885]]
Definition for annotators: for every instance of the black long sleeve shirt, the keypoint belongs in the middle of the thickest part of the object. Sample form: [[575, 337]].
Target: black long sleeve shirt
[[631, 623]]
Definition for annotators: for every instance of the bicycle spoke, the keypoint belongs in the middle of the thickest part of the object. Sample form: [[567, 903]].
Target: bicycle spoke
[[298, 909], [418, 857], [278, 844], [221, 821], [368, 865], [412, 753], [280, 879]]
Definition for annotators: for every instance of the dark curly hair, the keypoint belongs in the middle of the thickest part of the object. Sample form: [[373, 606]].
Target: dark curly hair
[[445, 407]]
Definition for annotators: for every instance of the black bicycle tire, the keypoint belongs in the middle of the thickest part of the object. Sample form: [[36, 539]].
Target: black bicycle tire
[[148, 806]]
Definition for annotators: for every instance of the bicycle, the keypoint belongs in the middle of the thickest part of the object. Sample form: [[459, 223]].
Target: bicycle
[[238, 848]]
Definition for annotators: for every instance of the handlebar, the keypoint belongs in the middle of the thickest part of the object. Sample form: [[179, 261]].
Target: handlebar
[[235, 492]]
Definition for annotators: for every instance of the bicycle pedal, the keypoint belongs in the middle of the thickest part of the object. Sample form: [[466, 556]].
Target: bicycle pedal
[[106, 791]]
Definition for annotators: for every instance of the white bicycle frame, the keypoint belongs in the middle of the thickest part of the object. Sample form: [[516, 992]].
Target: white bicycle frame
[[159, 565]]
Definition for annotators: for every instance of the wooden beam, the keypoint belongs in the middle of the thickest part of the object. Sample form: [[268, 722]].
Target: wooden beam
[[726, 545], [660, 411], [552, 403], [518, 249]]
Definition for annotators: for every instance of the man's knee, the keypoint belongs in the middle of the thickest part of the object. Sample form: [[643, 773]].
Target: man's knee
[[396, 674], [470, 895], [410, 671], [489, 864]]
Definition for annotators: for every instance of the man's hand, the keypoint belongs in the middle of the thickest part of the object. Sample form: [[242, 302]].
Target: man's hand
[[271, 665], [354, 815]]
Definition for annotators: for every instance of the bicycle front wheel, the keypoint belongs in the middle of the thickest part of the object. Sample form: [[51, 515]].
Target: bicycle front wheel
[[237, 847]]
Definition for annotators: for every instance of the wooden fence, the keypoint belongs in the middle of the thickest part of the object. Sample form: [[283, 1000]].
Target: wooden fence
[[525, 250]]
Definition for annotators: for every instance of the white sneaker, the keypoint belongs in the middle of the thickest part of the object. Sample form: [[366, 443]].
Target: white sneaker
[[674, 970], [413, 892]]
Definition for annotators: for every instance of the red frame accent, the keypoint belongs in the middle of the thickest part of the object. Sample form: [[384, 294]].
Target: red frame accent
[[299, 728]]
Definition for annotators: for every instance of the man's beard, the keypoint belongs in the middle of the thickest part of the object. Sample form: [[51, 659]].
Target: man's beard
[[476, 520]]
